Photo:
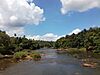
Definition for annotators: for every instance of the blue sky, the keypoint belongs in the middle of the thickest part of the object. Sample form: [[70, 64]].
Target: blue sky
[[60, 24], [48, 19]]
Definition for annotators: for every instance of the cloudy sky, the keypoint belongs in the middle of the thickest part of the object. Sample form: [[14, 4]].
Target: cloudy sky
[[48, 19]]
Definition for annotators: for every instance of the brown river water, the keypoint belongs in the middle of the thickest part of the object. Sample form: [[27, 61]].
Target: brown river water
[[51, 64]]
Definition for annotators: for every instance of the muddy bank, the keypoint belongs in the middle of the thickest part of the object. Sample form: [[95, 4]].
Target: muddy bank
[[6, 62]]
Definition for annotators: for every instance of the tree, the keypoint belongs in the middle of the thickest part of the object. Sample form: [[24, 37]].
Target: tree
[[4, 43], [89, 39]]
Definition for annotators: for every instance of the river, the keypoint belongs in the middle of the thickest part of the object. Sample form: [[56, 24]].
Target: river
[[51, 64]]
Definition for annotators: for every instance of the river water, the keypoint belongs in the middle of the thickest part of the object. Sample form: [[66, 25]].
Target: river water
[[51, 64]]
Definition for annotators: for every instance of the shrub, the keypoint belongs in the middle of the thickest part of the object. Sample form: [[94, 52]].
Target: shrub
[[20, 54], [2, 50], [36, 56], [73, 51]]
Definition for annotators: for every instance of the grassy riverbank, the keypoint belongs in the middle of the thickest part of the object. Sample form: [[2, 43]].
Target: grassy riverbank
[[80, 53], [26, 55], [87, 59], [6, 61]]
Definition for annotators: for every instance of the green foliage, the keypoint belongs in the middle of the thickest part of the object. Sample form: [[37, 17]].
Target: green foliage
[[2, 50], [77, 53], [4, 43], [10, 45], [20, 54], [84, 39], [26, 55], [35, 55], [74, 51]]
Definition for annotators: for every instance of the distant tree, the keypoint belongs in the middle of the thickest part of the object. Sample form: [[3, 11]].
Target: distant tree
[[89, 39], [15, 35]]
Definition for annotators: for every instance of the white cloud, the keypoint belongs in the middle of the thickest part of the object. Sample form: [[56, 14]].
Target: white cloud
[[76, 31], [46, 37], [15, 14], [78, 5], [13, 18], [29, 0]]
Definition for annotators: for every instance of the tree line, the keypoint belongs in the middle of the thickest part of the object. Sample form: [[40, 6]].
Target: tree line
[[87, 38], [10, 45]]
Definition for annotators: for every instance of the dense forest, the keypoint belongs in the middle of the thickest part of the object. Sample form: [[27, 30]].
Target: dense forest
[[89, 39], [85, 39], [10, 45]]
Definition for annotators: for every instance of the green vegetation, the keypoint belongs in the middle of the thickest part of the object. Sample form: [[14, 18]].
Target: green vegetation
[[85, 41], [35, 55], [77, 53], [4, 43], [10, 45], [20, 55], [25, 55], [88, 40]]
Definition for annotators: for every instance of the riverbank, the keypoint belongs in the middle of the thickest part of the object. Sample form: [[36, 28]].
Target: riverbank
[[8, 60], [37, 55], [5, 63], [89, 59], [79, 53], [51, 63]]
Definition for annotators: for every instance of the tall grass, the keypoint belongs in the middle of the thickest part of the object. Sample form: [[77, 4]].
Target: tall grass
[[20, 55], [24, 54], [35, 55], [78, 53]]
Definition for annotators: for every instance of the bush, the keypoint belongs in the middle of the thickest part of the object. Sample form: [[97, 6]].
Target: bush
[[24, 54], [73, 51], [5, 51], [20, 54], [2, 50], [76, 51], [36, 56], [18, 49]]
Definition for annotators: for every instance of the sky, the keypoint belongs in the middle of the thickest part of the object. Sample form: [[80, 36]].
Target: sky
[[48, 19]]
